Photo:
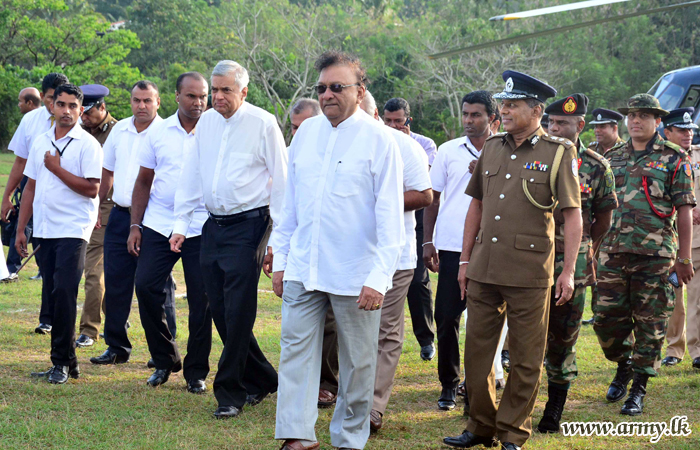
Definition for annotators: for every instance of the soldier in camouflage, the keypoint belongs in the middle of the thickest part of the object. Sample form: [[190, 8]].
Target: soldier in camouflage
[[654, 185], [598, 200]]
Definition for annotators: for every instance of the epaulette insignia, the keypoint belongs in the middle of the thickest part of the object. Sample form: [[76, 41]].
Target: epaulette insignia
[[497, 135]]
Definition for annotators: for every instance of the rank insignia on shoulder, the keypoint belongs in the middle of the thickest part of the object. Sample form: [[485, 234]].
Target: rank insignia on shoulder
[[657, 165], [586, 188], [535, 139], [687, 169], [537, 166]]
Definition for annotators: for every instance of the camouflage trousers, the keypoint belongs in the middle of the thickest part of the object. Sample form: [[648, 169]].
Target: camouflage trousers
[[564, 326], [634, 302]]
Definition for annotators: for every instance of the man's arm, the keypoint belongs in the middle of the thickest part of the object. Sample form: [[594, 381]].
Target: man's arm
[[472, 224], [105, 184], [600, 227], [12, 182], [139, 201], [87, 187], [25, 213], [430, 213], [188, 195], [685, 238], [573, 225], [413, 200]]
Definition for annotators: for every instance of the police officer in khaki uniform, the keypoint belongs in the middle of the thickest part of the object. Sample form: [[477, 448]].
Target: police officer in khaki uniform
[[507, 260], [98, 122], [605, 128]]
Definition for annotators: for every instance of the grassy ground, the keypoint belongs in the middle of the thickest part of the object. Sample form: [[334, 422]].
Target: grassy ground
[[111, 407]]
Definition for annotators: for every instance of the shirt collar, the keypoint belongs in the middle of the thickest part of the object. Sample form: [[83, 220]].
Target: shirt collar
[[132, 128], [240, 112], [47, 115], [174, 122], [350, 121], [532, 140], [75, 133]]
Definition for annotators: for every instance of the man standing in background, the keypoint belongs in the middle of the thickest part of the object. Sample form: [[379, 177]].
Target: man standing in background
[[29, 99]]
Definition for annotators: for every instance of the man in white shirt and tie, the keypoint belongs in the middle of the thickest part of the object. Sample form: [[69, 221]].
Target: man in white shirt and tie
[[339, 242], [238, 167], [120, 169], [33, 124], [63, 167], [152, 220]]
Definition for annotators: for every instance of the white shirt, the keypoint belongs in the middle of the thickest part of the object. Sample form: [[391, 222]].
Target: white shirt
[[342, 225], [121, 150], [164, 151], [415, 178], [450, 175], [238, 164], [59, 211], [33, 124]]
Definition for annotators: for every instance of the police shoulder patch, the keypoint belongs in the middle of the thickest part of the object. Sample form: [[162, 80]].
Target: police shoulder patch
[[688, 169], [574, 167]]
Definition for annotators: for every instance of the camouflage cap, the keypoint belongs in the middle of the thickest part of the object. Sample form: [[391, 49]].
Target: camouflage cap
[[643, 102]]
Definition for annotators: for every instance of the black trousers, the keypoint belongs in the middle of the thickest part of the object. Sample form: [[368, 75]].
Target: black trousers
[[231, 260], [119, 272], [156, 262], [420, 299], [448, 314], [62, 262]]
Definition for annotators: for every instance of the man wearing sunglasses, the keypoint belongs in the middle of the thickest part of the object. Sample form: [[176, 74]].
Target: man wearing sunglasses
[[339, 243]]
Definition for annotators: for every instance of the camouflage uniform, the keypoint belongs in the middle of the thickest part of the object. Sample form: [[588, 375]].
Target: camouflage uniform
[[638, 252], [599, 148], [597, 196]]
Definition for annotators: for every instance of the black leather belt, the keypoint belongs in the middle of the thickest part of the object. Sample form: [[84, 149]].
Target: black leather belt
[[122, 208], [223, 221]]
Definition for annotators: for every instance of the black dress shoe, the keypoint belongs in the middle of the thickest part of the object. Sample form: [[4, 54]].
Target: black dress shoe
[[196, 386], [158, 377], [151, 364], [696, 363], [448, 399], [618, 386], [73, 373], [634, 405], [427, 352], [109, 357], [224, 412], [84, 341], [589, 321], [60, 374], [469, 439], [43, 328], [670, 361], [254, 399], [509, 446]]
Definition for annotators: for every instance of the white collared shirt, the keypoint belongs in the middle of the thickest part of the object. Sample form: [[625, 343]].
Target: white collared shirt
[[342, 225], [415, 178], [59, 211], [164, 151], [33, 124], [238, 164], [121, 150], [450, 175]]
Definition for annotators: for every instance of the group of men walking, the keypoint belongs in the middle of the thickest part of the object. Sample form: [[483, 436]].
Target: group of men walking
[[517, 224]]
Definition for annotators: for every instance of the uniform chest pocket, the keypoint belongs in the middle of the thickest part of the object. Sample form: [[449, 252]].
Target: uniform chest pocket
[[537, 183], [656, 182], [238, 164], [71, 163], [347, 183], [490, 180]]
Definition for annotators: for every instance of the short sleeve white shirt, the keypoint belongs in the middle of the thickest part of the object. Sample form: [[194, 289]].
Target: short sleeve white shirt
[[33, 124], [60, 212], [121, 152], [450, 176]]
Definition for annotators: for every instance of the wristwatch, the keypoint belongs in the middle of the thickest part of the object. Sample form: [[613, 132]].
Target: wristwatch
[[685, 261]]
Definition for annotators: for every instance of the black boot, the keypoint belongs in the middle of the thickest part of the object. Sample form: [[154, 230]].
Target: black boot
[[553, 409], [635, 402], [618, 387]]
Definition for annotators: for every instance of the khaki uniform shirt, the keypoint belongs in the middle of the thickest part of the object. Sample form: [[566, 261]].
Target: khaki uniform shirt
[[100, 133], [515, 243], [636, 227], [597, 196]]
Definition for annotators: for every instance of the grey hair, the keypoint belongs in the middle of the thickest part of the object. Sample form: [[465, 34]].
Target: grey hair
[[304, 104], [227, 67], [369, 105]]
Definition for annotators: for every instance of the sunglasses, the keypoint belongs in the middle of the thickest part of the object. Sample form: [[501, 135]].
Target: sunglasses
[[335, 88]]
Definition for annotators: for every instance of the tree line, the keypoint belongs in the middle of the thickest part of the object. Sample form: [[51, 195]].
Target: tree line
[[278, 41]]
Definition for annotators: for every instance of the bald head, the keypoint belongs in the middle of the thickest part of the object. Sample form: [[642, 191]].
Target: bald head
[[28, 99]]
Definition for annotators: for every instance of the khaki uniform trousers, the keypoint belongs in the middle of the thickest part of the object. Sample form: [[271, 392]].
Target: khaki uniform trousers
[[528, 314], [91, 318], [684, 324], [391, 335]]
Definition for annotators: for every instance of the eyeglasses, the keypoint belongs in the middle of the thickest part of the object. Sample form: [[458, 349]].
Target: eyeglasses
[[335, 88]]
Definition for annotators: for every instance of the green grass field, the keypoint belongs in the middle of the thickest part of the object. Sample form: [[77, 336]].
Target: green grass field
[[112, 407]]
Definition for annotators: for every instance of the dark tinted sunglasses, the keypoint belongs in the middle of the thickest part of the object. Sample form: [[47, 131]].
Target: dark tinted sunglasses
[[335, 88]]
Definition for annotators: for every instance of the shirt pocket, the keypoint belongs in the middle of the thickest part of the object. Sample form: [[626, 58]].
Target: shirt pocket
[[539, 244], [349, 179], [490, 180], [70, 161], [537, 183], [656, 187], [238, 165]]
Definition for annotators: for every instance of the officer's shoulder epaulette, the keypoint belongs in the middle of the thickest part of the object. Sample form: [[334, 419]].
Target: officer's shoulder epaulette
[[616, 146], [593, 144], [497, 135], [557, 140], [596, 156], [675, 147]]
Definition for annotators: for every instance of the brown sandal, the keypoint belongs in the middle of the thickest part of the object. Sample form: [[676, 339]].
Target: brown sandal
[[326, 398], [294, 444]]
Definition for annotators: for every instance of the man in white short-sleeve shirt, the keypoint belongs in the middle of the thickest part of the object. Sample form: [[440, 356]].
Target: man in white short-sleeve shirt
[[64, 167], [443, 230], [152, 220]]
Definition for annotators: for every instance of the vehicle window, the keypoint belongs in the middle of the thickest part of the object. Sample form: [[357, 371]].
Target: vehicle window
[[691, 98], [659, 87], [671, 97]]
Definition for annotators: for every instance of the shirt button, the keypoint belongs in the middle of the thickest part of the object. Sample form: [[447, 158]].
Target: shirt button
[[513, 156], [502, 196], [507, 176], [497, 218], [486, 173], [532, 245], [494, 240], [532, 180]]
